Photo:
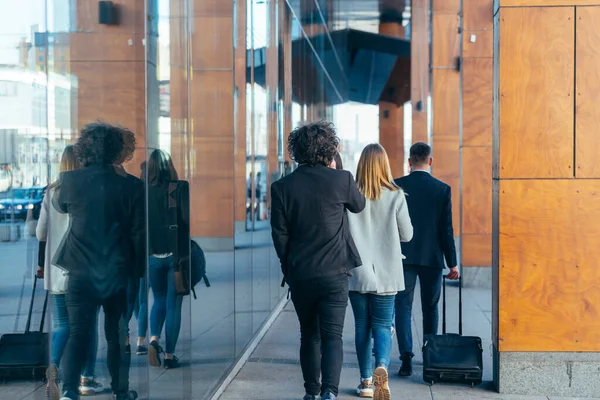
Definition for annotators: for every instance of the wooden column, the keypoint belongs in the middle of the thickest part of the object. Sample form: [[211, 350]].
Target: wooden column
[[212, 143], [476, 145], [419, 53], [272, 79], [391, 117], [547, 196], [109, 65], [446, 97]]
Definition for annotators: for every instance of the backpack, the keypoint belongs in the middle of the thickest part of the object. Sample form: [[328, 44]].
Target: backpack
[[189, 271]]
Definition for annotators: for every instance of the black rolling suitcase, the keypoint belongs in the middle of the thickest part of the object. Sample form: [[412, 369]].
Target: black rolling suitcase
[[451, 357], [25, 355]]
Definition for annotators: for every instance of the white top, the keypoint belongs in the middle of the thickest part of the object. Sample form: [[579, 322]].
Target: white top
[[377, 232], [52, 228]]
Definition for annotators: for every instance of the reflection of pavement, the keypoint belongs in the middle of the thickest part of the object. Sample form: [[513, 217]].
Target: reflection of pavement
[[276, 358], [216, 327]]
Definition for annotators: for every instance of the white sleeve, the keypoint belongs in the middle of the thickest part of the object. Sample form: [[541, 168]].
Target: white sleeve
[[42, 227]]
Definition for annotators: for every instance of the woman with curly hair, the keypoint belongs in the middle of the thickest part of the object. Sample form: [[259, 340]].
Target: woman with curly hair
[[316, 250], [103, 248]]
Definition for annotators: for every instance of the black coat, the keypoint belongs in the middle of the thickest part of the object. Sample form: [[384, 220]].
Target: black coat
[[309, 227], [430, 208], [105, 244]]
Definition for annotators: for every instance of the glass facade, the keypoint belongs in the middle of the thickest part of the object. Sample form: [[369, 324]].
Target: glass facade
[[215, 85]]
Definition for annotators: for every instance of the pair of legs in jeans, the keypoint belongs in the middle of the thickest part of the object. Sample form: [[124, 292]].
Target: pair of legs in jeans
[[430, 280], [373, 317], [61, 332], [166, 309], [83, 301], [321, 307], [137, 304]]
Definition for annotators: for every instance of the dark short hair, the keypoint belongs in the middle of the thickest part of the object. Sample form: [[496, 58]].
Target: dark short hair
[[128, 146], [420, 153], [160, 169], [99, 144], [314, 144]]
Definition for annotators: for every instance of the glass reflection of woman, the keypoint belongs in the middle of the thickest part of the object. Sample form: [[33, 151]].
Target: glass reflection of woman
[[52, 227], [166, 309]]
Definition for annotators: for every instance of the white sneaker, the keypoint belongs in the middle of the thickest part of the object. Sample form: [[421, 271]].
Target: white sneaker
[[365, 389], [90, 387]]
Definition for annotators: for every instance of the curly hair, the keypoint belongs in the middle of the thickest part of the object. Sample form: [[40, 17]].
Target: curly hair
[[128, 146], [99, 144], [314, 144]]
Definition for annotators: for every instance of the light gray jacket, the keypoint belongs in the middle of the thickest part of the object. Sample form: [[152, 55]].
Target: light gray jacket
[[377, 232], [52, 228]]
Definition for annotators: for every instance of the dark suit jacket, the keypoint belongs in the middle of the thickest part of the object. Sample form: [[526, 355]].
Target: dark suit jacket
[[309, 228], [430, 208], [105, 243]]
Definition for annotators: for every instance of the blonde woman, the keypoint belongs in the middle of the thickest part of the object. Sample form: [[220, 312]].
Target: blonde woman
[[51, 229], [377, 232]]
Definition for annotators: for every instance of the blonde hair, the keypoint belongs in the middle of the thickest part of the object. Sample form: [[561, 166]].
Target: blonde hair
[[374, 172], [68, 162]]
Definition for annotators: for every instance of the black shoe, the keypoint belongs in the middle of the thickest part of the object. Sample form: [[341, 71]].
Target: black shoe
[[406, 367], [141, 350], [154, 353], [131, 395], [127, 349], [68, 396], [309, 397], [171, 362], [328, 396]]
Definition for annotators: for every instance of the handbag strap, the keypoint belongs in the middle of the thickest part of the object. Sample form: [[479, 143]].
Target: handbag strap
[[172, 197]]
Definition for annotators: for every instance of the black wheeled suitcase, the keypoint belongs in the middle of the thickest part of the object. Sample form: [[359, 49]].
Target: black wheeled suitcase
[[452, 357], [25, 355]]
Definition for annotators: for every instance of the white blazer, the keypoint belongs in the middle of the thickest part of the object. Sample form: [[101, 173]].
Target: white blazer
[[52, 228], [377, 232]]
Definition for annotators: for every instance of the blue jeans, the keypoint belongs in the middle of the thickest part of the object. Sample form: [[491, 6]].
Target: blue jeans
[[61, 332], [430, 280], [373, 317], [137, 303], [166, 310]]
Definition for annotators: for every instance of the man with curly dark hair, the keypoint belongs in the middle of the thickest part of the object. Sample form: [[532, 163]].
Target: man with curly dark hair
[[103, 249], [316, 251]]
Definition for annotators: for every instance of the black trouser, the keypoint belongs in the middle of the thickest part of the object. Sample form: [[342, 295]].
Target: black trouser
[[321, 307], [82, 303]]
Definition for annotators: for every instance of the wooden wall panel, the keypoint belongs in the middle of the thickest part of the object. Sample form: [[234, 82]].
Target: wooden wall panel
[[588, 93], [212, 103], [446, 102], [214, 47], [483, 45], [213, 8], [477, 190], [445, 6], [446, 40], [546, 3], [107, 47], [419, 70], [536, 92], [240, 114], [476, 250], [477, 101], [549, 278], [478, 14]]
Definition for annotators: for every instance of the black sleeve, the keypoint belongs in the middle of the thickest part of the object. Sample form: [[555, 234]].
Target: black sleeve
[[447, 230], [42, 254], [356, 201], [138, 228], [279, 228]]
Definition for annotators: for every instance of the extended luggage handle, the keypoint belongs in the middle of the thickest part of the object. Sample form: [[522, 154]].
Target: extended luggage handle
[[459, 306], [28, 325]]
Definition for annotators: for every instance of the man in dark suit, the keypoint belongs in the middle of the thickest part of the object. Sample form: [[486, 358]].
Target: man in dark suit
[[107, 221], [430, 208], [313, 242]]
